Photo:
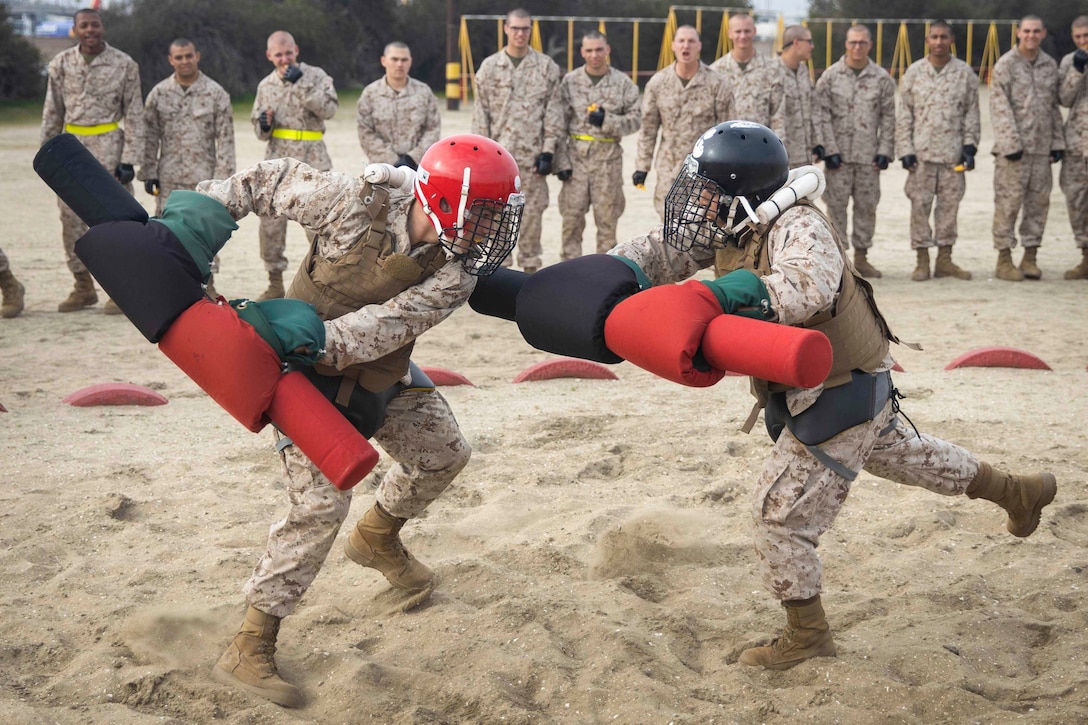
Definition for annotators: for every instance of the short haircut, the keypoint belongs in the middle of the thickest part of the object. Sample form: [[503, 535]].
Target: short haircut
[[688, 27], [519, 13], [1080, 21], [1033, 17], [181, 43], [942, 24], [86, 11], [595, 35], [396, 45], [793, 33], [859, 28]]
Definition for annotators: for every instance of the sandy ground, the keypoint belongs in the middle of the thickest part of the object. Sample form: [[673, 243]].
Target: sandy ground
[[595, 555]]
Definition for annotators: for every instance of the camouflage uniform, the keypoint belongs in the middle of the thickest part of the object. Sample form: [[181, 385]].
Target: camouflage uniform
[[594, 155], [797, 497], [1073, 177], [855, 117], [419, 433], [682, 112], [301, 106], [937, 116], [392, 122], [515, 106], [757, 91], [798, 134], [1026, 118], [188, 137], [80, 93]]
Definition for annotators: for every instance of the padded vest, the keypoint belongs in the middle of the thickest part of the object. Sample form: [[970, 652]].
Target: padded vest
[[371, 272], [858, 333]]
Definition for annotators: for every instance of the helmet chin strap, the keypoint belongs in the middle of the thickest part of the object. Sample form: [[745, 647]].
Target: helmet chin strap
[[422, 199], [804, 182], [750, 214], [436, 222], [464, 199]]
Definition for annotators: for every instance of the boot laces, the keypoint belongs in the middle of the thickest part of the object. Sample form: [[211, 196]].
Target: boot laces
[[264, 654]]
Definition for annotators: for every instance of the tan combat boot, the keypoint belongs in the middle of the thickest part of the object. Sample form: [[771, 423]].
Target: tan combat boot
[[1028, 266], [249, 661], [1023, 497], [806, 636], [1006, 270], [210, 287], [1081, 270], [111, 308], [275, 287], [13, 295], [375, 542], [945, 267], [82, 296], [921, 272], [861, 264]]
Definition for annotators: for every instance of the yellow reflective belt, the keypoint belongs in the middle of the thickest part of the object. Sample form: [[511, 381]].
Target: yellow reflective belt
[[96, 130], [292, 134], [583, 137]]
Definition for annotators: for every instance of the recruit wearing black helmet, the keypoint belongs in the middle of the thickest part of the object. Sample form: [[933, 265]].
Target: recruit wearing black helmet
[[733, 168]]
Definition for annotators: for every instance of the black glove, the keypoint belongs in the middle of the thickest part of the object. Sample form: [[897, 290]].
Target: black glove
[[818, 152], [1015, 157], [151, 186], [833, 161], [292, 74], [124, 173], [564, 175], [596, 118], [1056, 155], [967, 157], [881, 161], [406, 160], [639, 178], [909, 161], [1080, 59], [544, 164], [264, 122]]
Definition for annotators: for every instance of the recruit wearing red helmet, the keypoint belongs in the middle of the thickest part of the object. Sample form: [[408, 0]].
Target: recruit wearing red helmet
[[470, 189]]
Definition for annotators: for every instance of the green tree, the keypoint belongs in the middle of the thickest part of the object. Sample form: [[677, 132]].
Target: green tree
[[337, 35], [21, 71]]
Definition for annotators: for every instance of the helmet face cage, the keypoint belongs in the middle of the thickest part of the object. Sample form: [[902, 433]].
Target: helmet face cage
[[470, 189], [486, 235], [696, 211]]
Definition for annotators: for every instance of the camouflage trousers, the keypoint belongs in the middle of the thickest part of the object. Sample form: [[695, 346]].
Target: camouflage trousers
[[107, 149], [535, 188], [862, 182], [165, 189], [667, 171], [926, 183], [1073, 179], [1021, 188], [420, 434], [798, 497], [596, 184]]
